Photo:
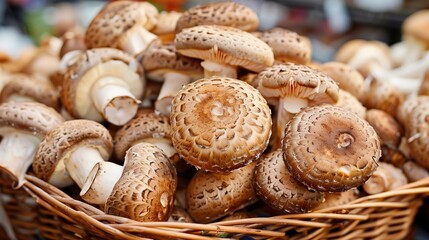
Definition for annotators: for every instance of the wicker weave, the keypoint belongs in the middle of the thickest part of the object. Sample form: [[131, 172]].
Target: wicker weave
[[387, 215]]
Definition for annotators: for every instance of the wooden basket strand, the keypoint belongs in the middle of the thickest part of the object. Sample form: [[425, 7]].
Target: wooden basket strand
[[387, 215]]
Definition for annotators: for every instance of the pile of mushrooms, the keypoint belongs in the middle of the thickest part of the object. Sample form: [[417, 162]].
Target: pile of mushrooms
[[195, 116]]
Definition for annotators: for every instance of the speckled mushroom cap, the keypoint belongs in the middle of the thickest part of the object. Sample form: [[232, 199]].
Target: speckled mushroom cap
[[75, 93], [220, 124], [211, 196], [418, 134], [330, 149], [385, 126], [117, 17], [338, 198], [382, 95], [222, 13], [60, 143], [414, 26], [348, 78], [35, 118], [350, 103], [226, 45], [407, 107], [145, 191], [144, 125], [299, 80], [276, 187], [34, 87], [160, 59], [288, 46]]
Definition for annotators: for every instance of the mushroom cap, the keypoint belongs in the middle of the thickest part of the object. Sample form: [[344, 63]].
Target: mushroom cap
[[351, 103], [166, 25], [414, 26], [418, 133], [407, 107], [330, 149], [180, 215], [287, 46], [348, 50], [297, 80], [348, 78], [116, 18], [211, 196], [225, 45], [35, 118], [60, 143], [382, 95], [145, 191], [72, 41], [338, 198], [75, 94], [35, 87], [222, 13], [387, 177], [220, 124], [143, 125], [161, 59], [276, 187], [385, 126]]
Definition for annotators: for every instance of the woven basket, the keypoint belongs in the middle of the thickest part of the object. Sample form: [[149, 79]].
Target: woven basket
[[387, 215]]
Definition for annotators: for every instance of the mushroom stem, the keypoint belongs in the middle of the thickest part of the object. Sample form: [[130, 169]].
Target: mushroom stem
[[174, 81], [81, 162], [136, 40], [414, 69], [17, 152], [164, 144], [218, 69], [406, 51], [114, 100], [378, 182], [19, 98], [100, 182]]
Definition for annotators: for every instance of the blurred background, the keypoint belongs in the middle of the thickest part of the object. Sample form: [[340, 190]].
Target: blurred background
[[328, 23]]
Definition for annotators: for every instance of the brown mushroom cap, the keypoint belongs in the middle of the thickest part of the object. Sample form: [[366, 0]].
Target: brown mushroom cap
[[407, 107], [330, 149], [338, 198], [222, 13], [145, 191], [60, 143], [211, 196], [351, 103], [382, 95], [415, 24], [288, 46], [277, 188], [393, 156], [35, 118], [75, 94], [387, 177], [225, 45], [161, 59], [414, 171], [220, 124], [299, 81], [72, 41], [35, 87], [115, 19], [385, 126], [347, 77], [144, 125], [418, 134], [348, 50]]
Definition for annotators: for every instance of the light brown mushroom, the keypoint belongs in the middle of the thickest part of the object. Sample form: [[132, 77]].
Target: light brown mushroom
[[163, 63], [424, 86], [317, 135], [417, 134], [276, 187], [287, 46], [103, 83], [145, 191], [71, 150], [23, 88], [385, 126], [22, 127], [211, 196], [222, 13], [124, 25], [351, 103], [393, 156], [180, 215], [72, 41], [338, 198], [414, 171], [348, 78], [387, 177], [294, 86], [165, 27], [223, 49], [220, 124]]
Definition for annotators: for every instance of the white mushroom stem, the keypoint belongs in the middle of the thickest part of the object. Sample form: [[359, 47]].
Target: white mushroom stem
[[174, 81], [164, 144], [114, 100], [68, 59], [136, 40], [406, 51], [100, 182], [378, 182], [17, 152], [81, 162], [218, 69], [414, 69], [19, 98]]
